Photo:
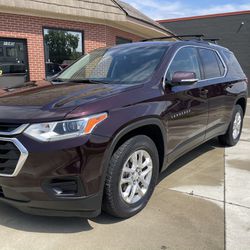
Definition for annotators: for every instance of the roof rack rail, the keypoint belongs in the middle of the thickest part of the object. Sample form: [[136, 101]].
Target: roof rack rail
[[213, 40], [200, 36]]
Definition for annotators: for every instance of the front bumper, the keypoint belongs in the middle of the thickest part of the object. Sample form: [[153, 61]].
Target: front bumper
[[87, 207], [79, 160]]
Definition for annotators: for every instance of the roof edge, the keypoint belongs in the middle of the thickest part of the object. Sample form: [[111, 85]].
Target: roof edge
[[109, 23], [204, 16], [163, 29]]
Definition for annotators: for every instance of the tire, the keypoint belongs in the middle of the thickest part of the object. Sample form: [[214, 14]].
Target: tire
[[116, 202], [231, 139]]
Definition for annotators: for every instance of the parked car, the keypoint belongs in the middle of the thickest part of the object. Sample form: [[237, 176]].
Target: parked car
[[99, 135], [66, 63], [12, 74], [52, 69]]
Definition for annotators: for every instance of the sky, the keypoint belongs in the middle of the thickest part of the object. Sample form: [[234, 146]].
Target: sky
[[167, 9]]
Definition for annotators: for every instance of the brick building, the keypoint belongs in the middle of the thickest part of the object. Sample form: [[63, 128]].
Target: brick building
[[38, 38]]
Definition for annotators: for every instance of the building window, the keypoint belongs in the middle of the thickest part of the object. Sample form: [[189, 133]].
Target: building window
[[121, 40], [62, 47]]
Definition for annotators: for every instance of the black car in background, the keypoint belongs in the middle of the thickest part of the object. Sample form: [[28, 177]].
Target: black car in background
[[12, 75], [52, 69]]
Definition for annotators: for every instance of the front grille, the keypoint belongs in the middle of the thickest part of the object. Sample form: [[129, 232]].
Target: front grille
[[8, 127], [12, 129], [9, 157]]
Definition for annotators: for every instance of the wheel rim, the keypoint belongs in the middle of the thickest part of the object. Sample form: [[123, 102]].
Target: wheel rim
[[237, 125], [136, 176]]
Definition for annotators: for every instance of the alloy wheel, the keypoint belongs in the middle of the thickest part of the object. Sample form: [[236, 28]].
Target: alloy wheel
[[136, 176], [237, 125]]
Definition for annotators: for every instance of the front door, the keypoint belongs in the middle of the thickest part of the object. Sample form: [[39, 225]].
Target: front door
[[187, 113], [13, 63]]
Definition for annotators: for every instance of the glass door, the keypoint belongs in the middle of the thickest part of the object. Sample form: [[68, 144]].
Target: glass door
[[13, 63]]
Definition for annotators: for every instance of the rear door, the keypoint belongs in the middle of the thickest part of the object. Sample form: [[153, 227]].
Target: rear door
[[213, 87], [187, 112]]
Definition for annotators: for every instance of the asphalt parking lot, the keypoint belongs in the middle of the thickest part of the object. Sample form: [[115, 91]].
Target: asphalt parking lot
[[201, 202]]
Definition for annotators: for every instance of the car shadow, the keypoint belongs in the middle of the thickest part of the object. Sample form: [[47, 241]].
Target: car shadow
[[190, 156], [13, 218]]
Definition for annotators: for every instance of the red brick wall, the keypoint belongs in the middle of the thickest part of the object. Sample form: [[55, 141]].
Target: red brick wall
[[31, 28], [112, 33]]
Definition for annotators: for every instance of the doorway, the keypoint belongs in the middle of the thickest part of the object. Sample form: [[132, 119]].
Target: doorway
[[13, 63]]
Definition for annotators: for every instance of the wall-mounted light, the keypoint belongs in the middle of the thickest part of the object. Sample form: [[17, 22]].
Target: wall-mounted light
[[240, 27]]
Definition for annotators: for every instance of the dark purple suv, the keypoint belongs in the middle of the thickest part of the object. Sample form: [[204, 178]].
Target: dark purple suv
[[97, 135]]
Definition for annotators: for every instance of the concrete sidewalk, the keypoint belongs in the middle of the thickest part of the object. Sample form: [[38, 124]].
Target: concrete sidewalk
[[201, 202], [237, 190]]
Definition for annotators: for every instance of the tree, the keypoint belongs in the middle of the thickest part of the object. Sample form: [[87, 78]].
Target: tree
[[61, 45]]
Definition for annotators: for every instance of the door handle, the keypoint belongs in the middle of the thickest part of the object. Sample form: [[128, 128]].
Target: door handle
[[204, 92]]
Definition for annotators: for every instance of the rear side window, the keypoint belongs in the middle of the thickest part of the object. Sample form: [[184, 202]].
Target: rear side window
[[233, 63], [187, 60], [221, 65], [212, 64]]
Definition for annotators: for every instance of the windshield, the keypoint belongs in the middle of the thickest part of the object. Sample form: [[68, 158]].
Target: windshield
[[126, 65]]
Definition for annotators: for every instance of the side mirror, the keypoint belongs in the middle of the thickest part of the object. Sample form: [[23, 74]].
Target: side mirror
[[184, 78]]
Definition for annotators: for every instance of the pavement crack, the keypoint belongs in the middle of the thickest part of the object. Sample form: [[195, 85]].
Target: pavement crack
[[245, 140], [209, 198], [238, 205], [197, 195]]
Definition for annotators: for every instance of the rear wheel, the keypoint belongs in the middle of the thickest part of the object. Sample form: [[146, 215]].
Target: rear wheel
[[131, 177], [232, 136]]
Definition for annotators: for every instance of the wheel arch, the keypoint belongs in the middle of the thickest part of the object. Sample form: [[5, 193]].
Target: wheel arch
[[151, 127], [127, 132], [242, 101]]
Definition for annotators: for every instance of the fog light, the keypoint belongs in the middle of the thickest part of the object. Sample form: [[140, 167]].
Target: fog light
[[64, 187]]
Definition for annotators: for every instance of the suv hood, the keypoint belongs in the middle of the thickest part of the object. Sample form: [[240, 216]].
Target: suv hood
[[44, 101]]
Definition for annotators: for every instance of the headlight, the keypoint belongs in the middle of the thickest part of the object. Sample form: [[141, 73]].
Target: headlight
[[54, 131]]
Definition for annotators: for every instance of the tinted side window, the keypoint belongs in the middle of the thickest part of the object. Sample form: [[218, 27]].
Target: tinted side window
[[233, 64], [186, 59], [210, 62], [221, 65]]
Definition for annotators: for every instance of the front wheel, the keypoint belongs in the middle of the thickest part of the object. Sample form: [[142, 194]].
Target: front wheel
[[131, 177], [232, 136]]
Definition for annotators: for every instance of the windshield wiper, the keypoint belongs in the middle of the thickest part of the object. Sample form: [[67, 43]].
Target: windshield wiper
[[87, 80], [57, 80], [83, 80]]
